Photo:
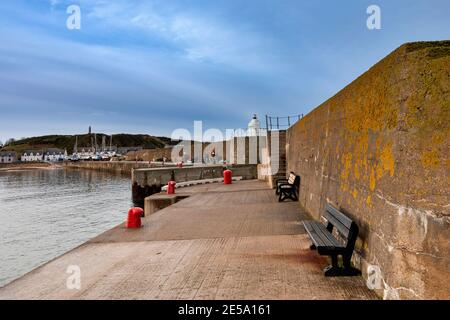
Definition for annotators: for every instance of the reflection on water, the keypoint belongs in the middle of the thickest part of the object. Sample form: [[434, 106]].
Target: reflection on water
[[44, 213]]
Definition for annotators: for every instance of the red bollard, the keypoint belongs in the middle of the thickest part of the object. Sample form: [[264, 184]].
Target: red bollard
[[171, 187], [134, 217], [227, 177]]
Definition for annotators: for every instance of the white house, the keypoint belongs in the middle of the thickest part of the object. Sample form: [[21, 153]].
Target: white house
[[8, 156], [32, 155], [54, 155]]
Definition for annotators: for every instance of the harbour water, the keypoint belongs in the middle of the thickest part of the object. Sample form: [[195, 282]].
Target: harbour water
[[45, 213]]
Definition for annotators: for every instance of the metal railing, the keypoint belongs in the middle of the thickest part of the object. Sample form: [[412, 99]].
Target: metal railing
[[281, 123]]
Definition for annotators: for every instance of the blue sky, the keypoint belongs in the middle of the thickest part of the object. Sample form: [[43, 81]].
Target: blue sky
[[154, 66]]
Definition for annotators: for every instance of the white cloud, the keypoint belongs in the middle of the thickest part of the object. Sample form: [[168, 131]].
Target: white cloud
[[199, 36], [151, 22], [54, 2], [105, 10], [93, 70]]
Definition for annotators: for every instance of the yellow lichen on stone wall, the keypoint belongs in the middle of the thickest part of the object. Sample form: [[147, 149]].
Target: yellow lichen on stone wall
[[430, 159], [387, 162], [363, 166], [367, 115], [345, 172], [372, 180]]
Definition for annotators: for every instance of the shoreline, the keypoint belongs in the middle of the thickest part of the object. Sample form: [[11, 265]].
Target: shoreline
[[14, 167]]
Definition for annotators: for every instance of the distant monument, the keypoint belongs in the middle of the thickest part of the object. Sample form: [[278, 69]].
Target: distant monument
[[253, 126], [90, 131]]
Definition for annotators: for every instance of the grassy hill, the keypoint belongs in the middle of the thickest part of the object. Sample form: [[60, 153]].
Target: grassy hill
[[68, 141]]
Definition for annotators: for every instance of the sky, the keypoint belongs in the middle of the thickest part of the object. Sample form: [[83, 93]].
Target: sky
[[155, 66]]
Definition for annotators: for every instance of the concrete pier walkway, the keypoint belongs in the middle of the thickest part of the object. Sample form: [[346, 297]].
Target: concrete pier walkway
[[223, 242]]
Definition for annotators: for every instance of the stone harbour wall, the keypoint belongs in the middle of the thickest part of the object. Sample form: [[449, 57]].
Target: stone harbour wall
[[146, 182], [379, 151], [123, 167]]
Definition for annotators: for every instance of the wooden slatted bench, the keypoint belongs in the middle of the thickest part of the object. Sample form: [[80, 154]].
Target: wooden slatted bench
[[278, 182], [288, 188], [327, 244]]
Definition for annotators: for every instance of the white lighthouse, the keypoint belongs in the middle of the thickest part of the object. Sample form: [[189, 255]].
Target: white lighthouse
[[253, 126]]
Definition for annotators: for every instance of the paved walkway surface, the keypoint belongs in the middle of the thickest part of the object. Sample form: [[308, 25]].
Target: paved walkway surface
[[223, 242]]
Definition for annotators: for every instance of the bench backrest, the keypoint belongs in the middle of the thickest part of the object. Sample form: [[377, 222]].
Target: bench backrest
[[345, 226], [293, 179]]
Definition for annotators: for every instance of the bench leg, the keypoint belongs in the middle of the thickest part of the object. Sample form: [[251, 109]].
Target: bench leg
[[348, 269], [346, 260], [285, 194], [333, 270]]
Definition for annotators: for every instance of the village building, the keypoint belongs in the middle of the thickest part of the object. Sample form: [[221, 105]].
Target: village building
[[54, 155], [8, 156], [32, 156]]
